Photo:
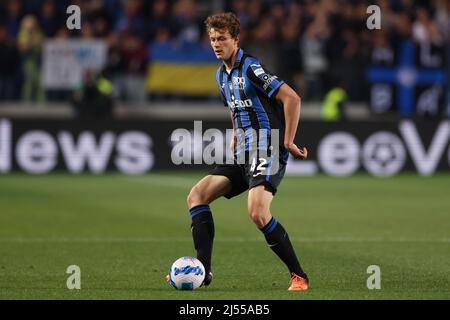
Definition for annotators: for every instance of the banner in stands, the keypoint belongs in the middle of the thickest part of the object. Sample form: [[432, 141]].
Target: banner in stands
[[410, 79], [138, 147], [182, 69], [65, 61]]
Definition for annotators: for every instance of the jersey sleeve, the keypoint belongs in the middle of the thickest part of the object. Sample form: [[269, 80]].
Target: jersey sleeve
[[222, 94], [263, 79]]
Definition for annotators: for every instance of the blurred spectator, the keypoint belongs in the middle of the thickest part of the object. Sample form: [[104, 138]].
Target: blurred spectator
[[278, 14], [162, 37], [402, 28], [30, 40], [443, 17], [112, 9], [239, 7], [132, 19], [13, 16], [294, 11], [333, 107], [388, 17], [100, 27], [91, 9], [261, 44], [255, 10], [8, 65], [424, 29], [48, 18], [87, 31], [349, 61], [159, 18], [186, 21], [93, 100], [114, 68], [62, 34], [134, 54], [292, 66], [313, 48], [382, 51]]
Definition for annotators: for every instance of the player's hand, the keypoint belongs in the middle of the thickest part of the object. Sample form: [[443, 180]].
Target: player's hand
[[298, 153]]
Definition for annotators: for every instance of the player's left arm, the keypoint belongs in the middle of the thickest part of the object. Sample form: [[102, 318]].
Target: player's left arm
[[292, 106]]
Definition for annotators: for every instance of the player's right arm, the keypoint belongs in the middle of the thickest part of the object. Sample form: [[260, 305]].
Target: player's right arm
[[270, 85], [292, 105]]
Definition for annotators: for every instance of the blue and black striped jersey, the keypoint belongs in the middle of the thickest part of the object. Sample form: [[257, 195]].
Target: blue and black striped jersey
[[249, 90]]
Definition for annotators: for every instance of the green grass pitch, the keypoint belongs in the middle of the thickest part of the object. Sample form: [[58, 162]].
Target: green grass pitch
[[124, 233]]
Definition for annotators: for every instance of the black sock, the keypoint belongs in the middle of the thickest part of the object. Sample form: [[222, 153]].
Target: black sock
[[278, 240], [202, 228]]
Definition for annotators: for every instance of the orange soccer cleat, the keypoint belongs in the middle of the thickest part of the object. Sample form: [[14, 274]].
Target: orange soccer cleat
[[298, 283]]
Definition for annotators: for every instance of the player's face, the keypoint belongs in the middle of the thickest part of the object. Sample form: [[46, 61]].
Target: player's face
[[222, 43]]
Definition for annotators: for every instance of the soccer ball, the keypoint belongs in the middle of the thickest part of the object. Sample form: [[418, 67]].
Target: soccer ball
[[187, 273]]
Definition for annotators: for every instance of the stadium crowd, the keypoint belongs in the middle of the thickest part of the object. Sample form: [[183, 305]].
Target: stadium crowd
[[311, 44]]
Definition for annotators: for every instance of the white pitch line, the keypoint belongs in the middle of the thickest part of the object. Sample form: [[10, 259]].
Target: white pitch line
[[228, 239]]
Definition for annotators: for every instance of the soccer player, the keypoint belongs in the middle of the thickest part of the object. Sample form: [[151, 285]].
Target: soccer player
[[257, 100]]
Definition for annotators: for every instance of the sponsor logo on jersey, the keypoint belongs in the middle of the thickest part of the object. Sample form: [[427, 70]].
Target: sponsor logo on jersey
[[268, 80], [240, 103], [259, 71], [239, 82]]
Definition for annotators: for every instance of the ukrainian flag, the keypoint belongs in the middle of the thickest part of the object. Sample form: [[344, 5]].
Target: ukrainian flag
[[186, 69]]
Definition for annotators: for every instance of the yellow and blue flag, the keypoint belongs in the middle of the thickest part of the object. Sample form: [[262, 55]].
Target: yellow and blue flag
[[182, 69]]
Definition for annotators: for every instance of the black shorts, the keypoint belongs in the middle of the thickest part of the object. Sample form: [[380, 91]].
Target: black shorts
[[246, 176]]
